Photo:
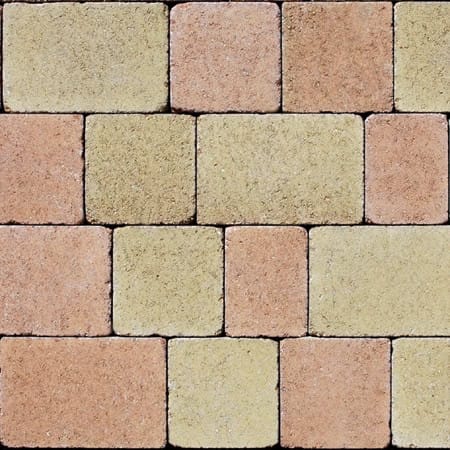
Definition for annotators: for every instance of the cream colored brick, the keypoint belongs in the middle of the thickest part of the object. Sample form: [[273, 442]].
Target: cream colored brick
[[421, 393], [380, 281], [422, 56], [168, 281], [140, 169], [223, 392], [66, 57], [280, 168]]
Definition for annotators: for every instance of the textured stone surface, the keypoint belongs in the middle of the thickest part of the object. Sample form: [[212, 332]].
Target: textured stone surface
[[379, 281], [225, 57], [54, 280], [223, 393], [406, 168], [140, 169], [85, 57], [335, 393], [41, 169], [420, 393], [168, 280], [106, 392], [337, 56], [280, 169], [265, 281], [422, 64]]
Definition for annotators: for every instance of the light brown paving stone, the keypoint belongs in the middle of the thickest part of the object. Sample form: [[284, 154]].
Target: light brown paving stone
[[406, 168], [335, 393], [279, 169], [337, 57], [223, 393], [107, 392], [379, 281], [225, 57], [265, 281], [85, 57], [168, 281], [41, 168], [422, 62], [420, 393], [54, 280], [140, 169]]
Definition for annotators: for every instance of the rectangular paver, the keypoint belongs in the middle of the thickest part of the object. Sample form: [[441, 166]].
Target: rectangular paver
[[85, 57], [380, 281], [107, 392], [223, 392], [278, 168]]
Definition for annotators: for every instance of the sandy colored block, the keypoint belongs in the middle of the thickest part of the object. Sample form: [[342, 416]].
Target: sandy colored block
[[107, 392], [140, 169], [225, 57], [280, 169], [335, 393], [54, 280], [422, 62], [379, 281], [420, 393], [41, 168], [85, 57], [406, 168], [265, 281], [223, 393], [337, 56], [168, 281]]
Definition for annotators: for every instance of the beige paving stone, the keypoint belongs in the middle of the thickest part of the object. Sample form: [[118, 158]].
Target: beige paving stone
[[223, 392], [422, 62], [168, 281], [107, 392], [278, 168], [380, 281], [420, 393], [140, 169], [85, 57]]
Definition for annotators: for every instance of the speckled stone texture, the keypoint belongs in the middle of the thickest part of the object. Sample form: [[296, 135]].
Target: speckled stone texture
[[54, 280], [225, 57], [41, 169], [168, 281], [105, 392], [223, 393], [265, 281], [406, 168], [140, 169], [335, 393], [85, 57], [422, 48], [379, 281], [276, 169], [337, 57], [420, 393]]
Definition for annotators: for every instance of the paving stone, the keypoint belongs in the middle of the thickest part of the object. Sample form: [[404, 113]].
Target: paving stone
[[420, 394], [406, 168], [55, 280], [225, 57], [337, 56], [265, 281], [379, 281], [85, 57], [168, 281], [280, 169], [223, 392], [41, 169], [140, 169], [422, 66]]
